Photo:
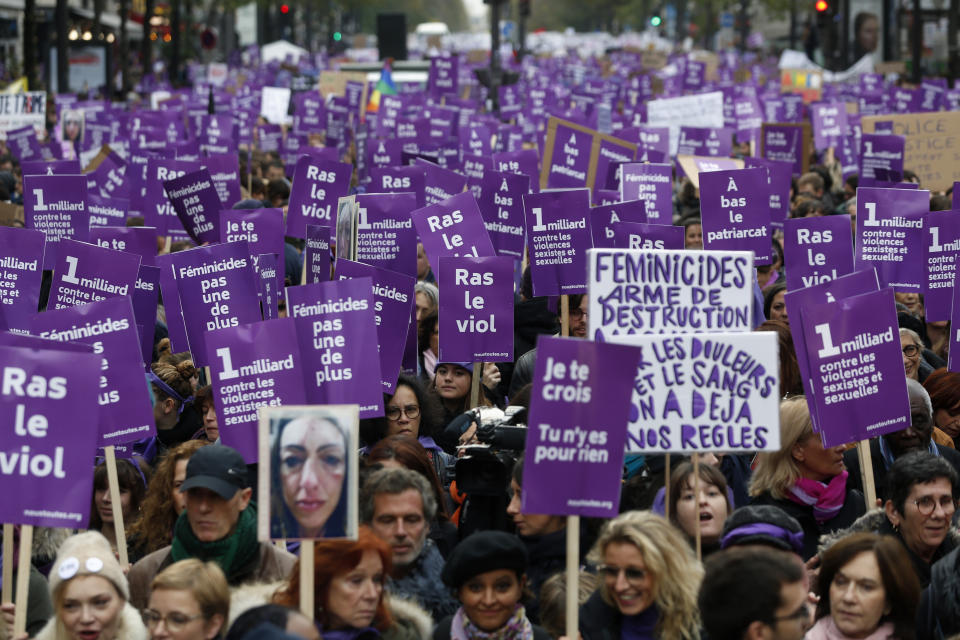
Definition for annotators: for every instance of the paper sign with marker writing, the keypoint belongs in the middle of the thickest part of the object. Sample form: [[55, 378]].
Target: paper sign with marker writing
[[701, 110], [252, 366], [817, 249], [57, 206], [942, 246], [21, 271], [88, 273], [856, 367], [317, 186], [573, 462], [654, 291], [852, 284], [48, 400], [110, 327], [705, 392], [476, 309], [558, 237], [453, 227], [335, 328], [735, 208], [889, 225]]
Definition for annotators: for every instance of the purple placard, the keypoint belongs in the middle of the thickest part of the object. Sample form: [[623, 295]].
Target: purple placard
[[385, 234], [252, 366], [638, 235], [50, 168], [889, 224], [225, 174], [817, 249], [501, 204], [856, 367], [953, 350], [197, 204], [262, 229], [579, 406], [881, 157], [558, 236], [443, 77], [392, 301], [217, 288], [452, 227], [107, 212], [336, 331], [23, 144], [316, 253], [21, 270], [56, 205], [779, 174], [171, 304], [735, 208], [440, 184], [399, 180], [89, 273], [269, 284], [524, 161], [58, 429], [846, 286], [156, 209], [144, 298], [604, 217], [141, 241], [476, 309], [784, 143], [568, 165], [705, 141], [654, 144], [943, 233], [317, 186], [829, 124], [109, 325], [652, 183], [611, 152]]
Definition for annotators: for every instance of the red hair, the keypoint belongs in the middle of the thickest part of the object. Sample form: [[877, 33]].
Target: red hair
[[333, 558]]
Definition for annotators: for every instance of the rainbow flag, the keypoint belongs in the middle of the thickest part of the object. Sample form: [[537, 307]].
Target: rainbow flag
[[384, 87]]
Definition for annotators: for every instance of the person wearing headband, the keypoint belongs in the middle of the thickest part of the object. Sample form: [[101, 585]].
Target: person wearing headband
[[762, 525], [173, 412]]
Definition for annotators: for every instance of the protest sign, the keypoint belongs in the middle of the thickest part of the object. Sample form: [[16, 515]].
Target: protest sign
[[638, 235], [269, 283], [829, 124], [225, 174], [317, 186], [23, 144], [573, 461], [889, 224], [335, 330], [881, 157], [693, 166], [155, 207], [788, 143], [779, 182], [705, 392], [654, 144], [144, 299], [558, 236], [817, 249], [611, 152], [440, 184], [704, 141], [57, 206], [651, 183], [856, 367], [217, 289], [197, 204], [105, 212], [17, 110], [953, 350], [566, 156], [393, 298], [21, 271], [316, 254], [843, 286], [804, 82], [90, 273], [604, 217], [275, 104], [476, 309], [443, 77], [48, 399], [141, 241], [262, 229], [385, 235], [252, 366], [109, 325], [50, 168], [501, 204], [452, 227], [400, 180], [930, 144], [943, 244], [524, 161], [654, 291], [735, 209], [287, 501], [701, 110], [171, 303]]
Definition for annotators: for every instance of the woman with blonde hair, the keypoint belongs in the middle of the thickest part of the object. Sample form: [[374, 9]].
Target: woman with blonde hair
[[649, 582], [805, 480], [189, 600]]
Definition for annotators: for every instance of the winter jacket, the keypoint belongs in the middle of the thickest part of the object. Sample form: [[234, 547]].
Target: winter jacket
[[599, 620], [131, 627], [423, 585], [852, 463], [938, 615]]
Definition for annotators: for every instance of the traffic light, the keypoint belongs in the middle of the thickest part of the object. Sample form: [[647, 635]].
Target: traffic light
[[284, 8], [524, 8], [337, 36], [656, 21], [822, 6]]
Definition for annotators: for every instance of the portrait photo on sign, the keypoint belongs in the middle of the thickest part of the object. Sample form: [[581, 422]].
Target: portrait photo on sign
[[308, 472]]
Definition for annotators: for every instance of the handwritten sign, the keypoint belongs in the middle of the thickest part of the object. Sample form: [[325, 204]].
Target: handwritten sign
[[931, 144]]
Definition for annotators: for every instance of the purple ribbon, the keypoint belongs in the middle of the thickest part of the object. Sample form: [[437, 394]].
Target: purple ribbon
[[167, 389], [763, 528]]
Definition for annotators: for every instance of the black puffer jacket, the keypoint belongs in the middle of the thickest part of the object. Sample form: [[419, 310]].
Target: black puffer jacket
[[938, 616]]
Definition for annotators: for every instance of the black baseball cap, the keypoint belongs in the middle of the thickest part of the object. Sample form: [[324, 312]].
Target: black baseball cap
[[216, 467]]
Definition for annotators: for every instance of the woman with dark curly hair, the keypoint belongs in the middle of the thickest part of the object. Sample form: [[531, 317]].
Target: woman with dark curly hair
[[163, 502], [173, 412], [132, 476]]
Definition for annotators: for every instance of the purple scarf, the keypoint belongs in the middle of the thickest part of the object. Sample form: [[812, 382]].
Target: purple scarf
[[826, 499]]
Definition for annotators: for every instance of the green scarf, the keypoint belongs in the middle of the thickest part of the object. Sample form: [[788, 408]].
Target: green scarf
[[232, 553]]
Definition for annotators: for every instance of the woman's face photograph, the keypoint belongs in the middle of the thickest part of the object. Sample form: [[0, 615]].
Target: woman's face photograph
[[312, 467]]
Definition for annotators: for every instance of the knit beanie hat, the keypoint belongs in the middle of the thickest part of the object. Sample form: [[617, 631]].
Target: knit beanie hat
[[88, 554]]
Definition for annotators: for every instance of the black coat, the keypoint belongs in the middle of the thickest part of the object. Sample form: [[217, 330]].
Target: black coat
[[852, 463], [442, 630], [938, 616], [853, 508], [599, 620]]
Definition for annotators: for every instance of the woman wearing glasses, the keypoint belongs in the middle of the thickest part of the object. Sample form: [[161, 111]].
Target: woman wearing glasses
[[649, 582], [913, 363], [189, 600], [867, 591]]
